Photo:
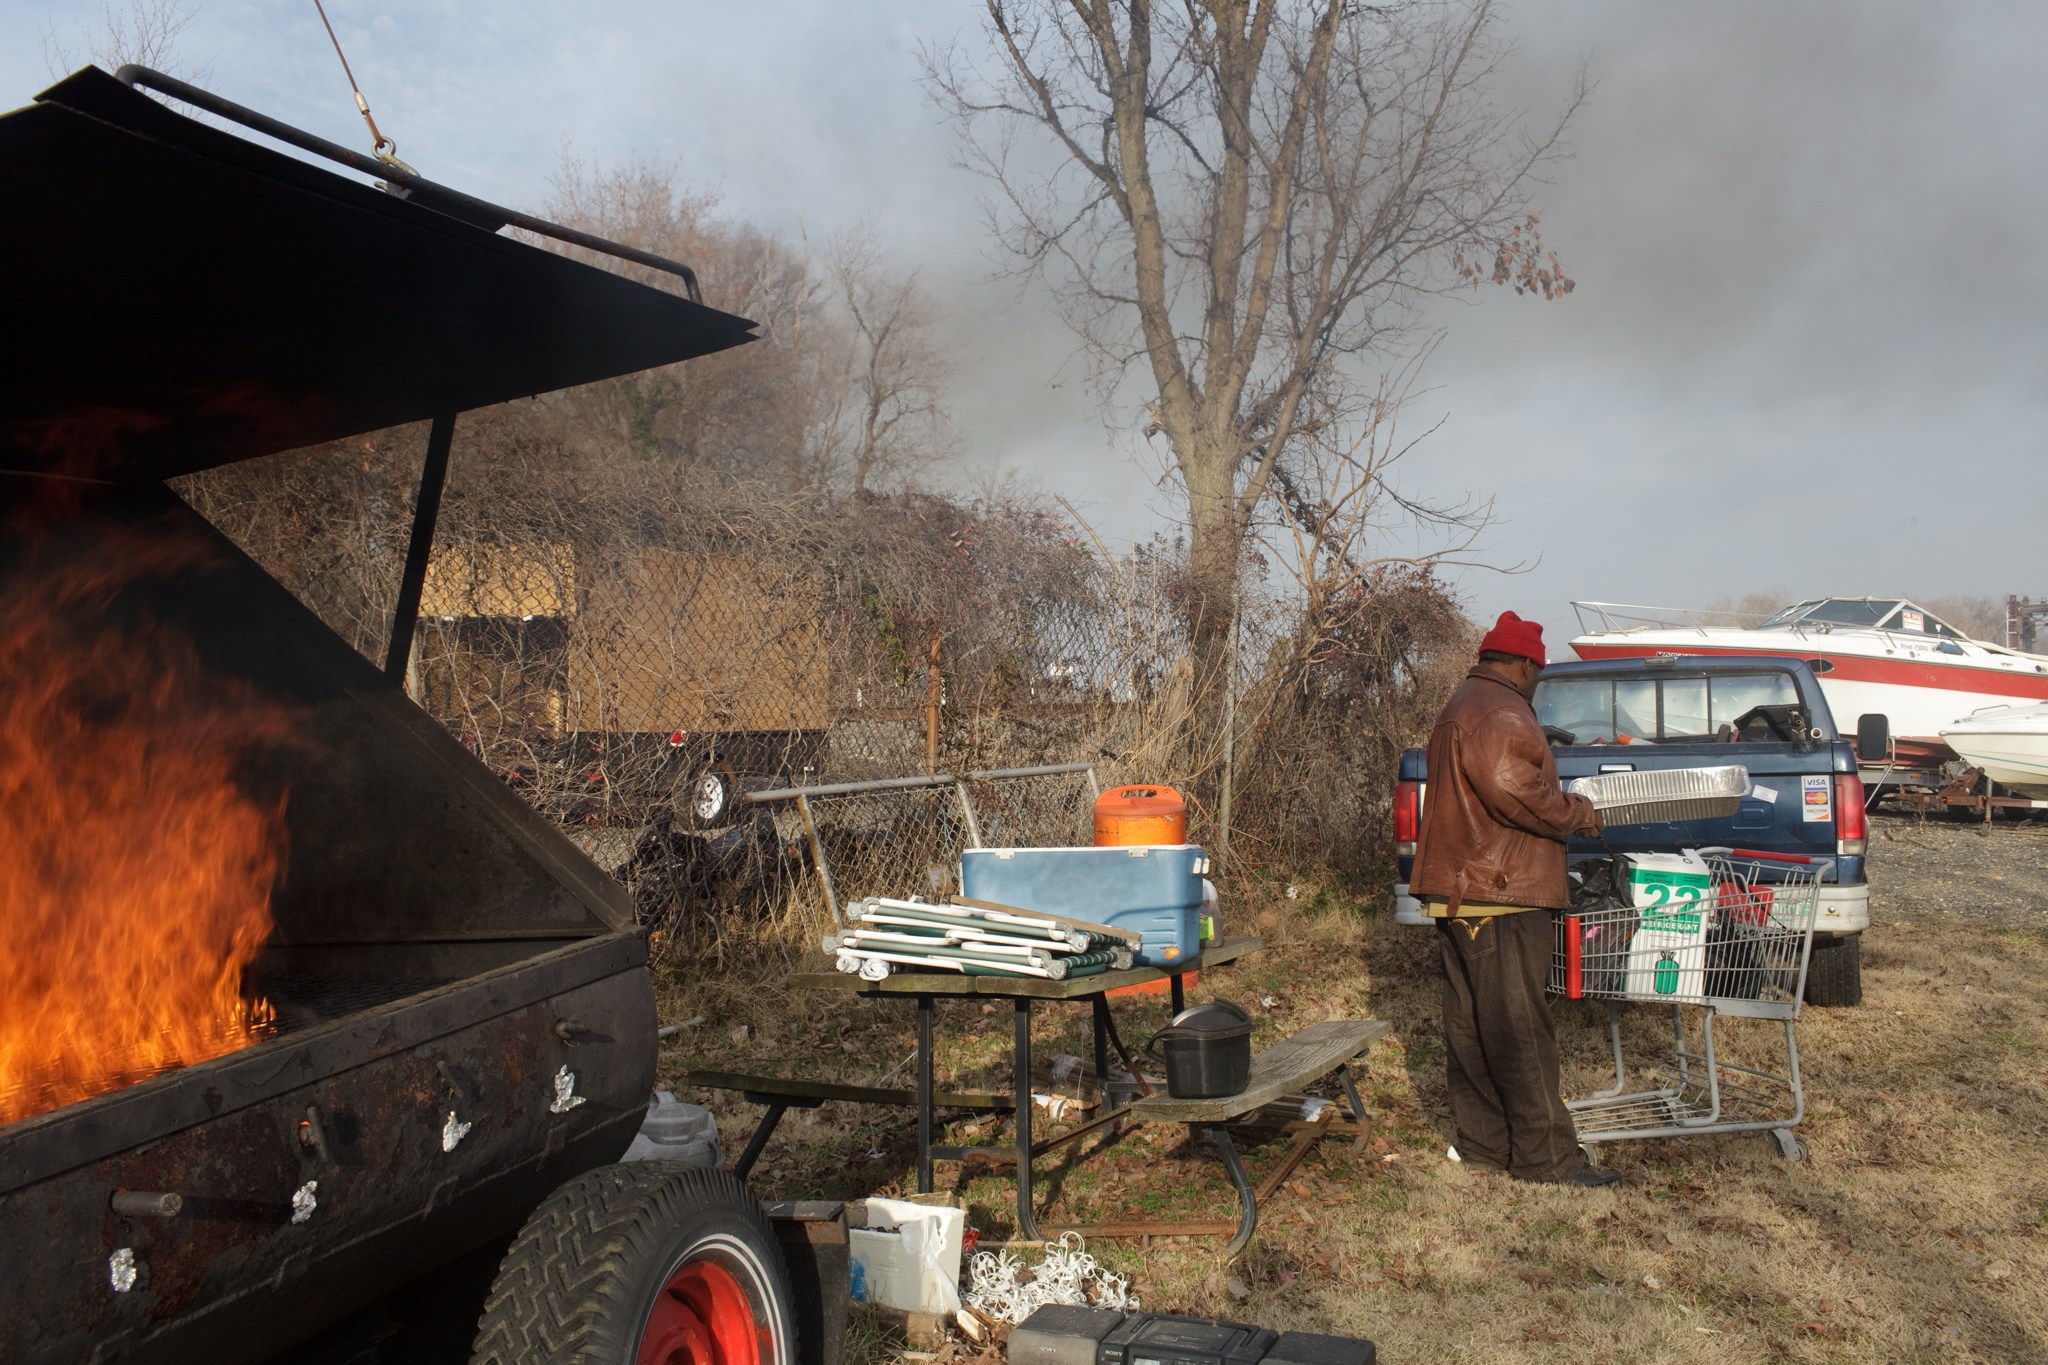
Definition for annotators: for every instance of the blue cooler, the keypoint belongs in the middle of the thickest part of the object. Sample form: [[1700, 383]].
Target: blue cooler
[[1155, 889]]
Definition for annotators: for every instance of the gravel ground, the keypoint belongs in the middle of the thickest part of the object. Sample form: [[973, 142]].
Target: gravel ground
[[1944, 867]]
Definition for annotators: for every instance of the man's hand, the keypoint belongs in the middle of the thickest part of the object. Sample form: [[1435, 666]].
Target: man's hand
[[1591, 830]]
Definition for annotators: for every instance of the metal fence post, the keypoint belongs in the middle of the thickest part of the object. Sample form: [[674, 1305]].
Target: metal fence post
[[803, 808], [934, 694], [1229, 748], [967, 809]]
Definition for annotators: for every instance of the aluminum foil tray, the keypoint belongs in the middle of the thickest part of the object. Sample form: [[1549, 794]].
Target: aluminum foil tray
[[1658, 797]]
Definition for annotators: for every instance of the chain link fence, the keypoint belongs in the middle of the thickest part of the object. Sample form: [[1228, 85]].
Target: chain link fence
[[650, 658], [797, 857]]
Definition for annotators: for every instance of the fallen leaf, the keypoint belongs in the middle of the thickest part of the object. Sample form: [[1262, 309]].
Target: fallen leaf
[[1239, 1290]]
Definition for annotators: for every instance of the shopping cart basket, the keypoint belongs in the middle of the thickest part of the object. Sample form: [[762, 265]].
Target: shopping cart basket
[[1740, 948]]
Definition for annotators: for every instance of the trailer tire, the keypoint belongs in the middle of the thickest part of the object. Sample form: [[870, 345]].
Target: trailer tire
[[706, 799], [624, 1258], [1834, 975]]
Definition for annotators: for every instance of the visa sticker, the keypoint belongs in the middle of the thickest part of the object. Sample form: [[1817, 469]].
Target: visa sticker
[[1819, 796]]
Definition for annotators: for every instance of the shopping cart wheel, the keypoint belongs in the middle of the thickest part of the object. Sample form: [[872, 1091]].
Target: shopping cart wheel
[[1592, 1153], [1787, 1144]]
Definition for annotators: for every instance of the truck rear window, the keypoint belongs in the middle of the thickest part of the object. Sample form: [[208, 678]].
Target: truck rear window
[[1659, 710]]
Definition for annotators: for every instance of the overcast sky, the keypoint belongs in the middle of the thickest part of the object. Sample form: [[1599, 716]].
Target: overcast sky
[[1807, 346]]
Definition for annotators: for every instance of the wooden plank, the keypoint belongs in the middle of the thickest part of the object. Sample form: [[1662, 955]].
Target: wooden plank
[[828, 1090], [1315, 1051], [1029, 987]]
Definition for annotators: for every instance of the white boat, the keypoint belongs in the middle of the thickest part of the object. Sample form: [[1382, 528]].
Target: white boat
[[2008, 744], [1874, 655]]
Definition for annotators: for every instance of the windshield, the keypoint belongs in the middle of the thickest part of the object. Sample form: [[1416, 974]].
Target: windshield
[[1791, 613], [1911, 620], [1672, 710], [1854, 611]]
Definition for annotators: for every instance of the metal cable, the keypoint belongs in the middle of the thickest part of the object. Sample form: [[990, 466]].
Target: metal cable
[[381, 146]]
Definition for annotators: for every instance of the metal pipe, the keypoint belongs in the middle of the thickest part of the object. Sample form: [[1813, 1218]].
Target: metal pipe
[[849, 788], [144, 1204], [455, 203], [1044, 770], [934, 694], [803, 808], [967, 809], [426, 510], [884, 784], [1229, 748]]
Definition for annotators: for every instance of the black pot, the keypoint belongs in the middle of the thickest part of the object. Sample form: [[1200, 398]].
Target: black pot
[[1207, 1050]]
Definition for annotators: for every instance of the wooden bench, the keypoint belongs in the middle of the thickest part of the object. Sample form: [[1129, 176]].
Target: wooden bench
[[1317, 1051], [780, 1096]]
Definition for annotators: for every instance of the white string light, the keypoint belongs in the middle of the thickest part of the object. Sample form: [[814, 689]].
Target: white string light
[[1067, 1275]]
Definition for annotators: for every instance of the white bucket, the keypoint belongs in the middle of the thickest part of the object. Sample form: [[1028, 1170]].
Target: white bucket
[[908, 1257]]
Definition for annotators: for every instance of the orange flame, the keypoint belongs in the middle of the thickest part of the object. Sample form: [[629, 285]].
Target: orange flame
[[136, 876]]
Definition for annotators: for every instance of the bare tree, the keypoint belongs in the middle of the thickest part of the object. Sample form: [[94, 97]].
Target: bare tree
[[887, 414], [1245, 200], [144, 32], [740, 414], [1980, 618]]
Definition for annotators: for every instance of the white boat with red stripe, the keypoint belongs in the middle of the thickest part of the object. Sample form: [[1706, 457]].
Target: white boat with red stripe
[[1874, 656]]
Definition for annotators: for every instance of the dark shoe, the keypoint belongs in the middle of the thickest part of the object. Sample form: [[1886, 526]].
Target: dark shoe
[[1592, 1178]]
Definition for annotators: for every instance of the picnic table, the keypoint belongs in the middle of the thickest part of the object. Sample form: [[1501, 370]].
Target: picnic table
[[1311, 1054]]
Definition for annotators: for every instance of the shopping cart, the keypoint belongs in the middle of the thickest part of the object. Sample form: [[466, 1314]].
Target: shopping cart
[[1739, 949]]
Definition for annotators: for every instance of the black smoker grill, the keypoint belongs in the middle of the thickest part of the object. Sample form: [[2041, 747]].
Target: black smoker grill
[[182, 298]]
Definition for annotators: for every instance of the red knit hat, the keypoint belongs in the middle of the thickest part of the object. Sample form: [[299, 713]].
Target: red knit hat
[[1512, 635]]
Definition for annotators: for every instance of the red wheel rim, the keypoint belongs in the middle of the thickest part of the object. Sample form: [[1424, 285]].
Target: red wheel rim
[[701, 1317]]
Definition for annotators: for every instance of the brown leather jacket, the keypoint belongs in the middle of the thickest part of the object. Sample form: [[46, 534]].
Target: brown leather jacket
[[1494, 818]]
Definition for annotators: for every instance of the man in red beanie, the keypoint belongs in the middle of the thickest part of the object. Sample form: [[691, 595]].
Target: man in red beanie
[[1489, 864]]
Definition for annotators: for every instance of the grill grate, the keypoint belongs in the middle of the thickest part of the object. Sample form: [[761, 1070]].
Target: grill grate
[[303, 1001]]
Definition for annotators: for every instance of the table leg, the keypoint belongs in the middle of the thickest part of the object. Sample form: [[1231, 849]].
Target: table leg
[[1247, 1197], [924, 1094], [1180, 999], [1357, 1109], [763, 1130], [1027, 1226], [1101, 1004]]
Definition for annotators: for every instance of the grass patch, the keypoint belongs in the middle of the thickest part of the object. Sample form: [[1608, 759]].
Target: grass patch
[[1916, 1232]]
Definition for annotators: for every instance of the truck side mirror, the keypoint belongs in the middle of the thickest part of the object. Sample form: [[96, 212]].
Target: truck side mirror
[[1873, 738]]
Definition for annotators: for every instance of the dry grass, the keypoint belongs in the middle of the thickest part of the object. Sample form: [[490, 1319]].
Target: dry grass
[[1915, 1232]]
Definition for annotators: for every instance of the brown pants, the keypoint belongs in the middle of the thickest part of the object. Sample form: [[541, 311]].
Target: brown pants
[[1501, 1051]]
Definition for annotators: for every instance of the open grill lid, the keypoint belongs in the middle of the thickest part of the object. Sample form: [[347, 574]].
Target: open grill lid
[[188, 298]]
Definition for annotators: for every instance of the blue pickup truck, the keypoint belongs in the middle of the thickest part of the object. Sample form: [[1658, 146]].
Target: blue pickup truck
[[1697, 711]]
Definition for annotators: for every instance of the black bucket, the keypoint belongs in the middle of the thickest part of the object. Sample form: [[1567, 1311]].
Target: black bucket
[[1207, 1050]]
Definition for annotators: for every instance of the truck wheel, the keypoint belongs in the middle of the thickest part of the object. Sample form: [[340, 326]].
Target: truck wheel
[[707, 798], [1834, 975], [648, 1263]]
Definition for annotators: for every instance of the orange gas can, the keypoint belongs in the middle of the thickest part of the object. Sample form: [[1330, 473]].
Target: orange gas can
[[1140, 814]]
